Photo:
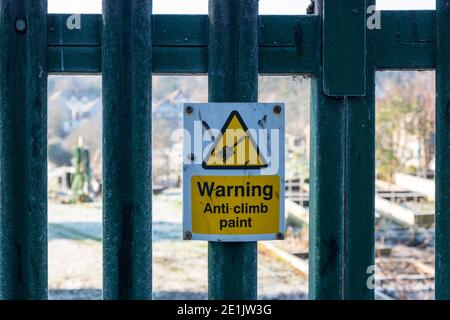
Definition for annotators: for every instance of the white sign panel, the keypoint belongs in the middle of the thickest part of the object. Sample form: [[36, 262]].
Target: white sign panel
[[233, 171]]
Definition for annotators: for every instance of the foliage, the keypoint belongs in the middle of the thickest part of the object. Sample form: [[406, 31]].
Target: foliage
[[405, 114], [58, 154]]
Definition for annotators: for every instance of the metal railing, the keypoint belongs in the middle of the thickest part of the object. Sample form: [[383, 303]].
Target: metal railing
[[232, 45]]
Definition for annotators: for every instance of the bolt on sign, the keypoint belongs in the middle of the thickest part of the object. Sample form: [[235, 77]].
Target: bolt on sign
[[233, 171]]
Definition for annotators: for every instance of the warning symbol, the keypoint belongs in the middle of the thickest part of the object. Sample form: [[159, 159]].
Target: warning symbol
[[233, 172], [234, 148]]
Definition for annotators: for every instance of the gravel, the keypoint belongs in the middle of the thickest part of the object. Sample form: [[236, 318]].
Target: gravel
[[179, 267]]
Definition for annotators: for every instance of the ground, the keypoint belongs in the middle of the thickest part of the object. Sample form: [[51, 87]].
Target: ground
[[179, 267]]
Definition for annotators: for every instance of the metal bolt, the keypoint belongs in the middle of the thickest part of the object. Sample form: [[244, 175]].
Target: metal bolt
[[20, 25], [189, 109], [280, 236], [187, 235], [191, 157], [277, 109]]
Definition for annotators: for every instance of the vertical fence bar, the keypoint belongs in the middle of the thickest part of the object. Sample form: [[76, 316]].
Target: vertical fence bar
[[326, 165], [359, 196], [442, 286], [343, 187], [359, 233], [326, 202], [126, 72], [23, 149], [233, 77]]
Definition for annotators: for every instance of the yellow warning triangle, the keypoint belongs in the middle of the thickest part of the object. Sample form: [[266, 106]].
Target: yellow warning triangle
[[234, 148]]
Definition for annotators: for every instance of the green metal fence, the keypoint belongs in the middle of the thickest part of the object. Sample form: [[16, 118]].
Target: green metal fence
[[232, 45]]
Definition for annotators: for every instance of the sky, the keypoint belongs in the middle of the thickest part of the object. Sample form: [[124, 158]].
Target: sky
[[201, 6]]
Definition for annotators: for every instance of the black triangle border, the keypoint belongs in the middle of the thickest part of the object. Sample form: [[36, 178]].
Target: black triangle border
[[222, 132]]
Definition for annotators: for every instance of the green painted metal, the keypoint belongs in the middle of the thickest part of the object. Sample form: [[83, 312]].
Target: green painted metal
[[233, 77], [359, 191], [326, 202], [74, 60], [326, 181], [344, 47], [75, 50], [23, 149], [287, 45], [127, 131], [359, 183], [342, 177], [88, 34], [180, 44], [442, 286], [233, 44], [180, 60], [406, 40]]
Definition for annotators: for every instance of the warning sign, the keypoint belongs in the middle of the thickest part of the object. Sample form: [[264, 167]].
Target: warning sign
[[235, 147], [235, 204], [233, 172]]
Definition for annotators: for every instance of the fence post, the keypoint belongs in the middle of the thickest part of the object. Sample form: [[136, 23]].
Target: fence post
[[23, 149], [233, 77], [442, 150], [126, 72], [342, 171]]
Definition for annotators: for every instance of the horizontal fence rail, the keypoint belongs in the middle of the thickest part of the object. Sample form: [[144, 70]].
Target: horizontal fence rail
[[287, 44]]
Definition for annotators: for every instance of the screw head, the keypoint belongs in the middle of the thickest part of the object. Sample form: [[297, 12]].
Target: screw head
[[187, 235], [189, 109], [20, 25], [277, 109], [280, 236]]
